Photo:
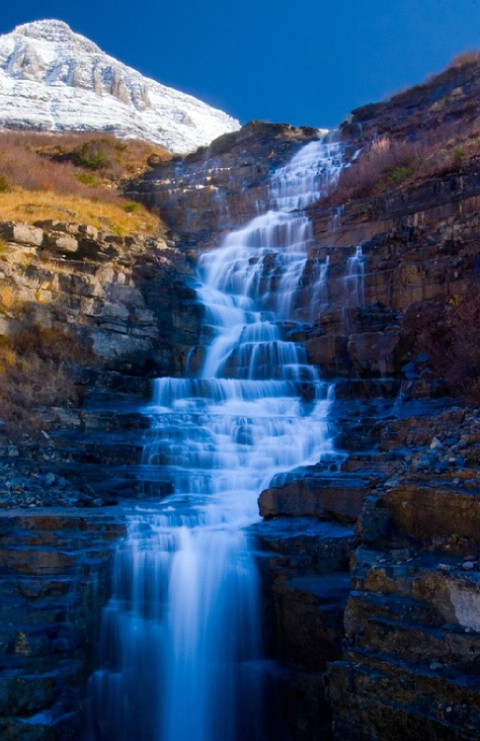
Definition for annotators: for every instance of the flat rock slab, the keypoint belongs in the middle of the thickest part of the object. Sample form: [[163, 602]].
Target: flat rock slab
[[337, 498]]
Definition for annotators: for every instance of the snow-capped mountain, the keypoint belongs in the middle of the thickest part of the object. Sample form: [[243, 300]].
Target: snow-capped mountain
[[52, 79]]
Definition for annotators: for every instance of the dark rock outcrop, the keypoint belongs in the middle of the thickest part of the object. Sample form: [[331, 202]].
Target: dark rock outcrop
[[410, 662]]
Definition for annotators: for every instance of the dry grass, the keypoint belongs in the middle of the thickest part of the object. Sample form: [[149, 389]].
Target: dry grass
[[465, 59], [30, 206], [76, 177]]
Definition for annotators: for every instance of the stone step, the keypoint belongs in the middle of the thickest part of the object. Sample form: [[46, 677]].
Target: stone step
[[303, 546], [417, 643], [24, 693], [113, 448], [372, 463], [365, 606], [434, 511], [104, 420], [337, 497], [51, 724]]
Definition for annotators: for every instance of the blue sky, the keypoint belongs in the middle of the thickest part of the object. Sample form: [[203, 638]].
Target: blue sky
[[296, 61]]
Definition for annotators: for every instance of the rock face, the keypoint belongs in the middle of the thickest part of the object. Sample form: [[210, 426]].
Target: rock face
[[52, 79], [127, 299], [304, 567], [410, 663]]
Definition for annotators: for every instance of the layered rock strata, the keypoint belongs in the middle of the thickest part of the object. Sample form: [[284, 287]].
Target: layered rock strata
[[55, 573], [409, 668], [127, 299]]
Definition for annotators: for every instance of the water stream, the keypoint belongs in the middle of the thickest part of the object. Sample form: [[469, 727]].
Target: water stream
[[181, 650]]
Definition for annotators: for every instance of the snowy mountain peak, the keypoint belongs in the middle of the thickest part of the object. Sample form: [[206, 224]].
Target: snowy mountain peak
[[53, 79], [52, 30]]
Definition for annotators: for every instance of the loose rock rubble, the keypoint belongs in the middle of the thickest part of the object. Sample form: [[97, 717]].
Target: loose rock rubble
[[27, 487]]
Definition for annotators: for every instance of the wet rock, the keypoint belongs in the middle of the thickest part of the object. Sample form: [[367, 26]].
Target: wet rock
[[338, 498], [220, 186]]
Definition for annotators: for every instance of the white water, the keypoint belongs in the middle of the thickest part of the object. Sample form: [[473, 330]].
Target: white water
[[182, 657]]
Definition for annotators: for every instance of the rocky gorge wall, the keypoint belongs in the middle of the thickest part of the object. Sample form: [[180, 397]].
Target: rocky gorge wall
[[55, 575]]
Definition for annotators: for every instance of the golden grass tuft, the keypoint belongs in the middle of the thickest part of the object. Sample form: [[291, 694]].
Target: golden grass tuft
[[8, 298]]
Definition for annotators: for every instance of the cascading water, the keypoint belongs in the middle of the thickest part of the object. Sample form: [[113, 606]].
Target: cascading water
[[181, 650]]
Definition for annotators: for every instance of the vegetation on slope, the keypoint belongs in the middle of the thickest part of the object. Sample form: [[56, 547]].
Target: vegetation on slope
[[74, 177], [388, 163]]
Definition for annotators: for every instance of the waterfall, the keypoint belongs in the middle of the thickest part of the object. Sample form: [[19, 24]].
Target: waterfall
[[354, 280], [181, 648]]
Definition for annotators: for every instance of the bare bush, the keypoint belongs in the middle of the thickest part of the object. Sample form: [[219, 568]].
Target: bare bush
[[34, 375], [465, 59], [57, 162], [388, 163]]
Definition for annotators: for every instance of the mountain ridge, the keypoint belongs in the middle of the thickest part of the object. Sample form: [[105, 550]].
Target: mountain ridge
[[53, 79]]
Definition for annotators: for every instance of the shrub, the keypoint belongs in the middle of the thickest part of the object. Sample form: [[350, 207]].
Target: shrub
[[399, 174], [36, 161], [86, 178], [465, 59], [94, 155], [386, 163], [5, 186], [131, 207], [389, 163], [34, 376]]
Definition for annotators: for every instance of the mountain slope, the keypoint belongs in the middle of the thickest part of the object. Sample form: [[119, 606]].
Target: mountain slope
[[52, 79]]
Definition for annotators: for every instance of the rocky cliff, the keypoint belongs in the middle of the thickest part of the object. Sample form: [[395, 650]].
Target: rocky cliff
[[221, 186]]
